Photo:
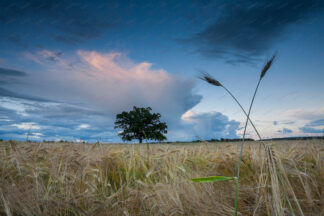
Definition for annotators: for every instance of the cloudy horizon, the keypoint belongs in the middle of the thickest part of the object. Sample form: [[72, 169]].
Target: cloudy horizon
[[67, 68]]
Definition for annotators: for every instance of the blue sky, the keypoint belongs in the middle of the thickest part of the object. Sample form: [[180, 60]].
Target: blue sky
[[67, 68]]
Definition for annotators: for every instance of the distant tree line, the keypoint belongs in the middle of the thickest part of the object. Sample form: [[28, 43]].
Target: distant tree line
[[299, 138], [226, 140]]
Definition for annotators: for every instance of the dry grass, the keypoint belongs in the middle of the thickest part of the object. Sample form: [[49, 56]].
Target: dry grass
[[80, 179]]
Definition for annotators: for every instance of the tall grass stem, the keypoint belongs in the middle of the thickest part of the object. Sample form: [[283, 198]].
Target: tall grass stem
[[244, 133], [258, 134]]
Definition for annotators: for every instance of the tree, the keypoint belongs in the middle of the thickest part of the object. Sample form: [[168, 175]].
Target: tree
[[140, 124]]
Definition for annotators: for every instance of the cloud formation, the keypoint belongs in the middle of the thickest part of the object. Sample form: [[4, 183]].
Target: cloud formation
[[302, 122], [85, 91], [6, 72], [110, 81], [8, 76], [303, 114], [208, 125], [245, 29], [285, 131], [316, 127], [121, 84], [72, 21], [52, 121]]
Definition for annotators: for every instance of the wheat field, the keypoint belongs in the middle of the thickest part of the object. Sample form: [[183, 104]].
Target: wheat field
[[130, 179]]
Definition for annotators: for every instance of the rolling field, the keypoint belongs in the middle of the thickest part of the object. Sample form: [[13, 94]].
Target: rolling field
[[103, 179]]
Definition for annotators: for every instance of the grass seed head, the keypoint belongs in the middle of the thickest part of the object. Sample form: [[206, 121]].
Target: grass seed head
[[267, 66], [209, 79]]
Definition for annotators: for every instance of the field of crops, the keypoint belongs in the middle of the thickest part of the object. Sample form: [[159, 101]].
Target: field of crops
[[102, 179]]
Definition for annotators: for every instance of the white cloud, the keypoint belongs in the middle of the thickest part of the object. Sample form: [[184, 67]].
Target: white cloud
[[17, 105], [207, 125], [27, 126], [303, 114], [83, 126], [37, 134]]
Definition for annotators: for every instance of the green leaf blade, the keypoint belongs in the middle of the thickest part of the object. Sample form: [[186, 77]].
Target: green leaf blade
[[212, 179]]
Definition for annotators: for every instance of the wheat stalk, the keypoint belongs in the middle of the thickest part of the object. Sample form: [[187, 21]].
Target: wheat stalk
[[263, 73], [209, 79]]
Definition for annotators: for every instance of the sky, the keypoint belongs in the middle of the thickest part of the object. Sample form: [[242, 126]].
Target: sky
[[68, 67]]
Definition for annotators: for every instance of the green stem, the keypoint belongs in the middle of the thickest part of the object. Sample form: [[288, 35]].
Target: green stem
[[236, 195], [242, 144], [244, 133], [285, 194]]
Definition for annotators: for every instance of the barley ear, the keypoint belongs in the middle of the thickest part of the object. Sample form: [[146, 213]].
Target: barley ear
[[267, 66], [209, 79]]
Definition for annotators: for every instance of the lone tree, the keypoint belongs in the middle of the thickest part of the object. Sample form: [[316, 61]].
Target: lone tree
[[140, 124]]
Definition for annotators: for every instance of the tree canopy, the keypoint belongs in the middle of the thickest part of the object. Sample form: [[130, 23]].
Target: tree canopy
[[140, 124]]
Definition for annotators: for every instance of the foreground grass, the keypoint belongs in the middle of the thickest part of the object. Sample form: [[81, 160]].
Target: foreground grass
[[80, 179]]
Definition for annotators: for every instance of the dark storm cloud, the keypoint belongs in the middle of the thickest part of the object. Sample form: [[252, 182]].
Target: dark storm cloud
[[11, 73], [243, 30], [15, 39], [65, 115], [10, 77], [69, 21], [7, 93]]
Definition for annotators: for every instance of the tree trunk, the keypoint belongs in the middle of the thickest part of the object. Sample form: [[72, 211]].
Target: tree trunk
[[140, 140]]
